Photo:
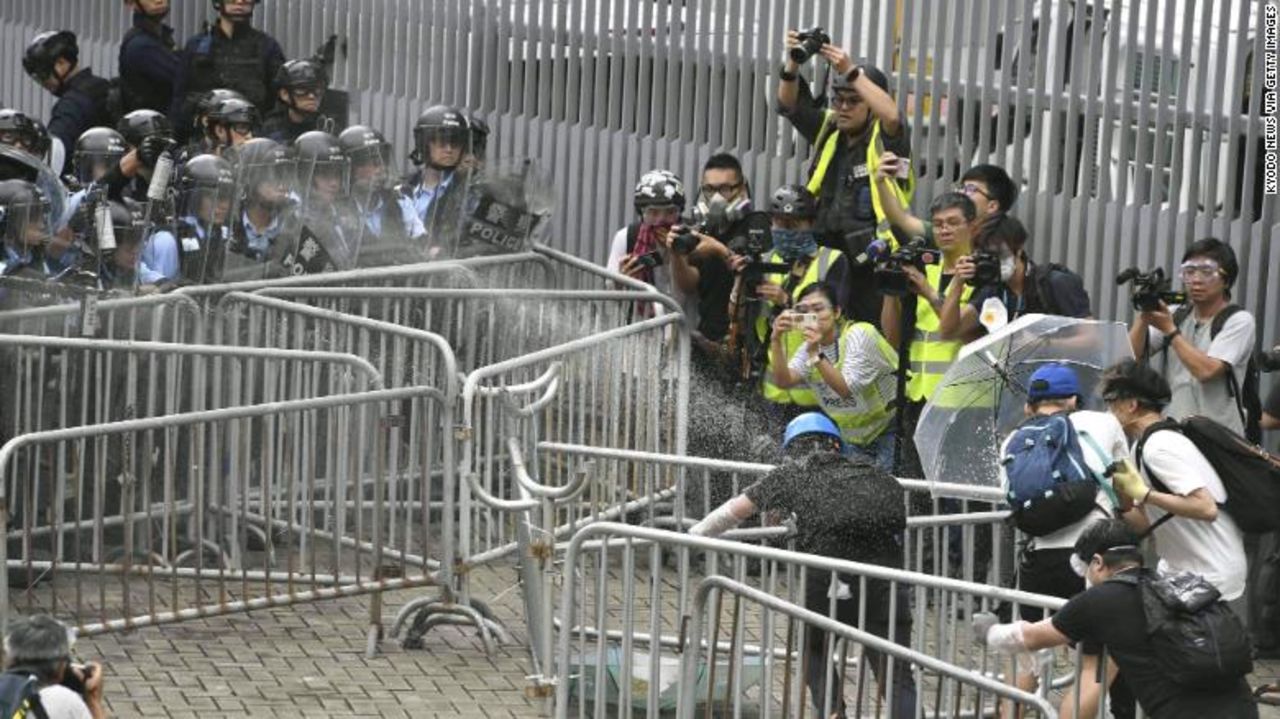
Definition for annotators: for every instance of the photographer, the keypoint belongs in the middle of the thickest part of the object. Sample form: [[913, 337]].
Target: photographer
[[40, 646], [929, 353], [847, 142], [848, 365], [988, 186], [642, 250], [1201, 347], [792, 211], [1007, 283]]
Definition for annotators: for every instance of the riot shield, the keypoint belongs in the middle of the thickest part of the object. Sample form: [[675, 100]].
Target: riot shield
[[18, 165], [264, 222], [385, 227], [206, 194], [327, 238], [507, 208]]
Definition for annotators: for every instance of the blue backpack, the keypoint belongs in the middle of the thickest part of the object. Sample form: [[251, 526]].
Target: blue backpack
[[1049, 484]]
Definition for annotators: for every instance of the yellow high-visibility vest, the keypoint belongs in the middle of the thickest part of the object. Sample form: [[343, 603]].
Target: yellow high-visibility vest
[[931, 355], [827, 142], [867, 413], [791, 341]]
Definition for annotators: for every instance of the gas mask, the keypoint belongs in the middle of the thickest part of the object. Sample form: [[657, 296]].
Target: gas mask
[[717, 213]]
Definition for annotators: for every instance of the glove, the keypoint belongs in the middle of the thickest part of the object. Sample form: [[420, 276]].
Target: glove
[[1125, 477], [981, 624], [152, 147]]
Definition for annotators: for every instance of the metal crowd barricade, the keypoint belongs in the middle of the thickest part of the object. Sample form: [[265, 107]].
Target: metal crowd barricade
[[314, 473], [632, 633], [161, 318]]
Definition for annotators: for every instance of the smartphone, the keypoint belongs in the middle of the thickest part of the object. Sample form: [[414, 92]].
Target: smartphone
[[902, 169], [808, 320]]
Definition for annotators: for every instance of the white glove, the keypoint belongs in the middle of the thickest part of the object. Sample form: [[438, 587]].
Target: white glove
[[981, 624], [718, 522]]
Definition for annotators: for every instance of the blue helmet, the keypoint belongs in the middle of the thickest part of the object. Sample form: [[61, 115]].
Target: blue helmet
[[811, 423]]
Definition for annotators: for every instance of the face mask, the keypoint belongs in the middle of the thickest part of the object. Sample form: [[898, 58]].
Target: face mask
[[1007, 267], [793, 245]]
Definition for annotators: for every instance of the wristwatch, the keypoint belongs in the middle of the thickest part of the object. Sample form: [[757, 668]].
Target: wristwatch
[[853, 74], [815, 359]]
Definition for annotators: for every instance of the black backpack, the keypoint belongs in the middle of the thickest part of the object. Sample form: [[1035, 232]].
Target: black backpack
[[1044, 290], [1250, 474], [1248, 395], [1198, 642], [20, 696]]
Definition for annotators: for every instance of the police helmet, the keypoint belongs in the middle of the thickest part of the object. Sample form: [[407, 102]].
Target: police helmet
[[793, 201], [141, 124], [207, 172], [361, 142], [46, 49], [439, 123], [479, 133], [127, 222], [234, 110], [21, 203], [18, 129], [97, 148], [297, 74], [658, 188], [810, 424], [318, 152]]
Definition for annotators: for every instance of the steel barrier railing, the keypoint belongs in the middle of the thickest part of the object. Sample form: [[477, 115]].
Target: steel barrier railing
[[636, 583], [185, 552]]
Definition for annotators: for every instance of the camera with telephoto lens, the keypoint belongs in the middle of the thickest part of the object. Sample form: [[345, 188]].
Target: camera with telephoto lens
[[1150, 289], [890, 273], [1269, 361], [811, 42], [986, 269]]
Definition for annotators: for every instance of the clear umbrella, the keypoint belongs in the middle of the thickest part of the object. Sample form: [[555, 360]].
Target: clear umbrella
[[981, 398]]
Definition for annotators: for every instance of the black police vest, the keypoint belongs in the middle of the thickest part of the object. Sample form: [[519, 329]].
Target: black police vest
[[138, 92], [238, 63]]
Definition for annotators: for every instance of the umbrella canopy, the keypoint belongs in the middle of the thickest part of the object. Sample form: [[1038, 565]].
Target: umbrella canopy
[[981, 398]]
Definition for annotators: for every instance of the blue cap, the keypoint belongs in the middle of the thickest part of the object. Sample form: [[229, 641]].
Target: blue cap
[[811, 423], [1053, 381]]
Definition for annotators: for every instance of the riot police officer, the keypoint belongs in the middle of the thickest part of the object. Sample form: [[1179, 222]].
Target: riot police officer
[[17, 129], [231, 123], [53, 59], [437, 188], [206, 190], [97, 151], [390, 229], [265, 227], [300, 87], [328, 240], [230, 54], [148, 58], [24, 229]]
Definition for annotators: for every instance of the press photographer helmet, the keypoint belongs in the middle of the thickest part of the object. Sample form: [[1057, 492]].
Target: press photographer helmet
[[658, 188], [17, 129], [793, 201]]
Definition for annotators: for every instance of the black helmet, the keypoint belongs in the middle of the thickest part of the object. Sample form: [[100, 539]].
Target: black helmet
[[361, 142], [141, 124], [439, 123], [17, 129], [128, 223], [209, 100], [841, 82], [45, 49], [657, 188], [306, 73], [207, 172], [479, 133], [263, 160], [234, 110], [318, 152], [21, 204], [793, 201], [97, 150]]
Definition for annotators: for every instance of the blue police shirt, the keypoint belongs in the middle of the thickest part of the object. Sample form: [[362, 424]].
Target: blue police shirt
[[424, 196]]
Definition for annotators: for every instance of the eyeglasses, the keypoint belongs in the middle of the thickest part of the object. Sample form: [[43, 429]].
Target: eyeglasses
[[969, 188], [241, 128], [306, 91], [845, 100], [1202, 270], [724, 189]]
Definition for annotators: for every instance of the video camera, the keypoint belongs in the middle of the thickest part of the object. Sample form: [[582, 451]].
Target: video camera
[[1150, 289], [811, 42], [890, 267]]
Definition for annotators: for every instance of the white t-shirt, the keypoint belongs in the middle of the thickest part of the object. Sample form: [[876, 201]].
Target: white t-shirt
[[1108, 435], [1214, 550], [662, 280], [62, 703], [1233, 345]]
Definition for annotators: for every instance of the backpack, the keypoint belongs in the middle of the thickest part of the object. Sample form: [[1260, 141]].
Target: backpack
[[20, 696], [1248, 395], [1050, 486], [1197, 641], [1250, 474], [1044, 291]]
